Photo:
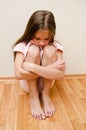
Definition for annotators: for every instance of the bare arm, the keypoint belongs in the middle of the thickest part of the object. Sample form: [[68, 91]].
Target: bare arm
[[46, 72], [55, 70], [20, 72]]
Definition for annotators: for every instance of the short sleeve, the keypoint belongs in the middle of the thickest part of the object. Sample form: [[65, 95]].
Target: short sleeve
[[21, 47], [58, 45]]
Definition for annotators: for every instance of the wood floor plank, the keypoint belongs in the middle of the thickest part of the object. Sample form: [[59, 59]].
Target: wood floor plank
[[75, 86], [68, 96], [66, 101], [83, 103], [1, 89], [77, 125], [4, 104], [61, 114], [13, 105]]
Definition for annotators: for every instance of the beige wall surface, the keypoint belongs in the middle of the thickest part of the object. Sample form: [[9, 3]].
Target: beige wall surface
[[71, 30]]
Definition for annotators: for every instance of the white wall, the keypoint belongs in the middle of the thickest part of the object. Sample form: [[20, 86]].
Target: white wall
[[71, 30]]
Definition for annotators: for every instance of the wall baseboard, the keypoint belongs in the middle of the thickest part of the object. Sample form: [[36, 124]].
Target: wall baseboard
[[67, 76], [8, 78], [75, 76]]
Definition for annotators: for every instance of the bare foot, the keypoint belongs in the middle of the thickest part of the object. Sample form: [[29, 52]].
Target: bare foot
[[36, 109], [49, 108]]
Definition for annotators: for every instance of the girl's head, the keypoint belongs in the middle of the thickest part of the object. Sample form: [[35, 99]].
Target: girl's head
[[39, 20]]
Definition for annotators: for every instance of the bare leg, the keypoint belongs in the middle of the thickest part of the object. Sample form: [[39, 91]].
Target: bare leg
[[48, 58], [35, 106]]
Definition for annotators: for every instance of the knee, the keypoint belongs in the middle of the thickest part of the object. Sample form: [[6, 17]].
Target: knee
[[34, 51], [50, 51]]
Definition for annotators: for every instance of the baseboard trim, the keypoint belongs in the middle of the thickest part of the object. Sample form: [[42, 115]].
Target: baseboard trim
[[8, 78], [67, 76], [75, 76]]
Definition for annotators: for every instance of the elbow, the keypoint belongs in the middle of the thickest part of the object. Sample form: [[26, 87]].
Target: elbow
[[18, 76], [61, 76]]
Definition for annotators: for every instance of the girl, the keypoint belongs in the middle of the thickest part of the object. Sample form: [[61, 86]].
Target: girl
[[39, 61]]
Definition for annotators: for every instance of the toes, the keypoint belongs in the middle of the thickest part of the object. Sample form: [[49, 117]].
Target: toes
[[43, 117], [39, 116], [50, 113]]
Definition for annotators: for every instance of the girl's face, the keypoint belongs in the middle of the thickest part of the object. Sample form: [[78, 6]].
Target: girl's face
[[42, 38]]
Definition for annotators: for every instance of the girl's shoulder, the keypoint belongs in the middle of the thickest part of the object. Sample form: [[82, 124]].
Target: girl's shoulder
[[58, 45], [20, 47], [57, 42], [21, 44]]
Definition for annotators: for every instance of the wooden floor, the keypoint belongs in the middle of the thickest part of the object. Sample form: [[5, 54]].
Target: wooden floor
[[68, 95]]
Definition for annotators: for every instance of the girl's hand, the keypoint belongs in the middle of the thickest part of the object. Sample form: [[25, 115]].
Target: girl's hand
[[59, 64], [31, 42]]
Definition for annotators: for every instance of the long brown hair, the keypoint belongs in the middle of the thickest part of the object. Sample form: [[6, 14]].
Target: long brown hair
[[41, 19]]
